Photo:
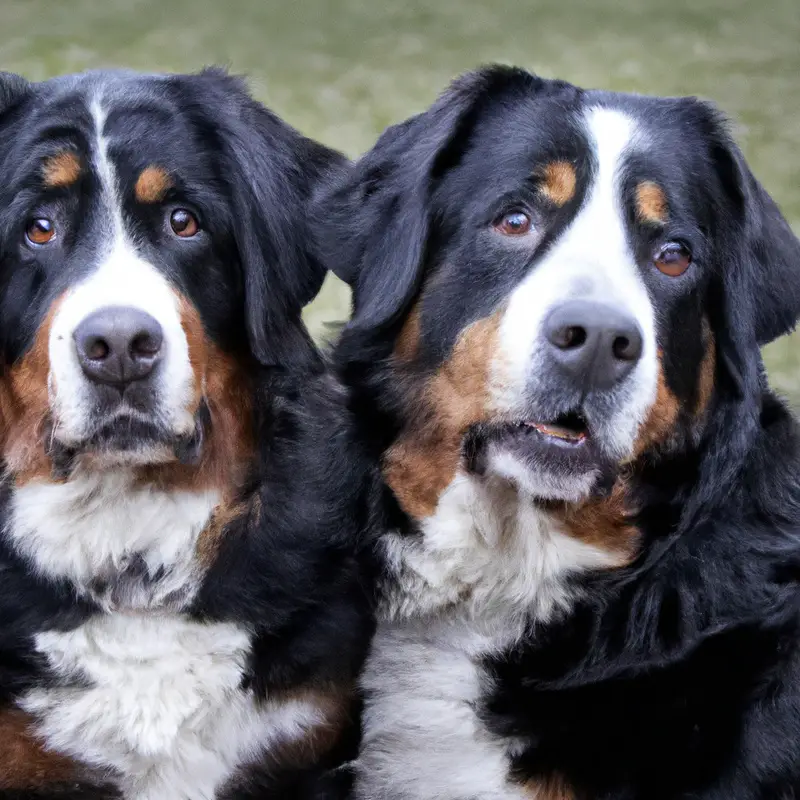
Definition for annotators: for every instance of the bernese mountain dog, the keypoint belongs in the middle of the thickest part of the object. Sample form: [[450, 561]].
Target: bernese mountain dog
[[589, 541], [182, 613]]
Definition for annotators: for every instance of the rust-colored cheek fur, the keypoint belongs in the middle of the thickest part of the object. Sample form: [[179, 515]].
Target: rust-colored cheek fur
[[664, 413], [26, 763], [603, 523], [423, 461], [221, 382], [707, 377], [24, 409], [662, 417]]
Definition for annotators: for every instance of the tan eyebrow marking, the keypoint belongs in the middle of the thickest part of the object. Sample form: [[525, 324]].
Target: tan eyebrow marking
[[60, 170], [558, 182], [651, 203], [152, 184]]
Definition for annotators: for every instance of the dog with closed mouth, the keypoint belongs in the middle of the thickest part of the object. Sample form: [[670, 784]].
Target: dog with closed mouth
[[181, 608], [590, 529]]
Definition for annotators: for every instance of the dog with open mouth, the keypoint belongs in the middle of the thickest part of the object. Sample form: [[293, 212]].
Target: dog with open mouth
[[181, 607], [590, 530]]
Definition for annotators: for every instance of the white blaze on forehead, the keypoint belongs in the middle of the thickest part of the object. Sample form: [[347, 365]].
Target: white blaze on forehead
[[121, 277], [592, 259], [103, 166]]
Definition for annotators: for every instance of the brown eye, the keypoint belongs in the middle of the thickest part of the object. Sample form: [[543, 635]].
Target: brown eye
[[184, 223], [40, 231], [514, 224], [673, 259]]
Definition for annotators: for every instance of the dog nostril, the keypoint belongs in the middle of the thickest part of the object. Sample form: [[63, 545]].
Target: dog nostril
[[622, 348], [97, 349], [145, 345], [627, 346], [569, 337], [576, 336]]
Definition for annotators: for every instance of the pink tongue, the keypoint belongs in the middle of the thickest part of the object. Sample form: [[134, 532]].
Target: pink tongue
[[559, 432]]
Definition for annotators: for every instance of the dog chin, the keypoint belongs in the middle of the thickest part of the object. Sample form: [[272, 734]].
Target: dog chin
[[539, 483], [546, 464], [126, 440]]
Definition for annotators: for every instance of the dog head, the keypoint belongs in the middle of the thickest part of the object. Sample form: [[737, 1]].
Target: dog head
[[151, 257], [551, 284]]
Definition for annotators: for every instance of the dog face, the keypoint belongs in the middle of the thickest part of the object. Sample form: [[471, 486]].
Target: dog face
[[557, 280], [148, 258]]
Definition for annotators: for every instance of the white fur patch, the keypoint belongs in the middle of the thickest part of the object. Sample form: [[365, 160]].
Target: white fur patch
[[121, 278], [590, 260], [487, 550], [92, 525], [158, 699], [489, 563], [422, 736]]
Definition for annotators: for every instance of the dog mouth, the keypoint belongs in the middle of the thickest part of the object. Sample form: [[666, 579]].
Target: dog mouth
[[569, 429], [129, 437], [555, 453]]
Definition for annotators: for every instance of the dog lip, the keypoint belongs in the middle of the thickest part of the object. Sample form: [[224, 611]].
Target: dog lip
[[561, 445], [564, 434], [570, 428]]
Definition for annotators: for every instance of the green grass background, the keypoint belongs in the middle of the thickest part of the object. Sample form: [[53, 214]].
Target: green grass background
[[342, 70]]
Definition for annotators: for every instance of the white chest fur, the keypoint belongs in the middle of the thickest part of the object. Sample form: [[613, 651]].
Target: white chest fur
[[158, 699], [423, 682], [144, 691], [488, 562], [489, 551], [90, 528]]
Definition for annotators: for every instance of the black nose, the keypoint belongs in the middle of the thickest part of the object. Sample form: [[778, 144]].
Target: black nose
[[117, 345], [594, 343]]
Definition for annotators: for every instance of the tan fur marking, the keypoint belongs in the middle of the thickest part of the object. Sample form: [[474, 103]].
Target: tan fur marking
[[24, 762], [662, 416], [707, 376], [604, 523], [651, 203], [211, 536], [222, 382], [559, 182], [407, 344], [152, 185], [552, 788], [335, 705], [61, 170], [423, 461], [24, 408]]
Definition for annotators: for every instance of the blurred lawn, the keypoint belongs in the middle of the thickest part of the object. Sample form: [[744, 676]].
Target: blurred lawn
[[341, 70]]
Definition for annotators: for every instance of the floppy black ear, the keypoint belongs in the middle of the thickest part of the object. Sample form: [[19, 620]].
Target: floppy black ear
[[272, 172], [13, 88], [771, 251], [375, 223], [754, 297]]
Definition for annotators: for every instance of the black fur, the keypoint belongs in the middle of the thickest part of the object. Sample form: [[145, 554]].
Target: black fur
[[678, 676]]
